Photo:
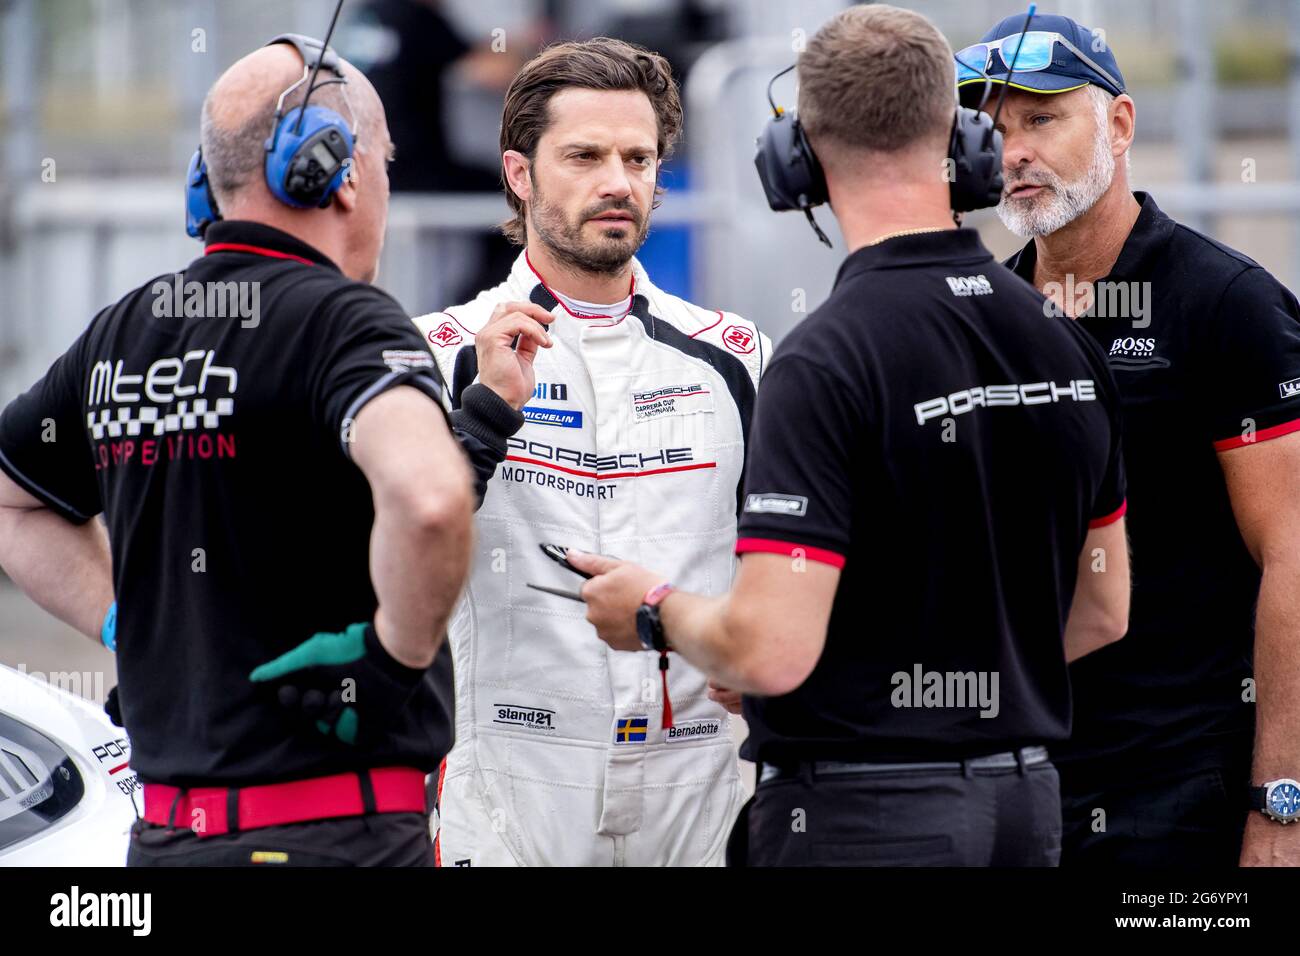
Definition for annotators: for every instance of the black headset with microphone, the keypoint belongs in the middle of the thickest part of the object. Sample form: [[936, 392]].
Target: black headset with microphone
[[792, 176]]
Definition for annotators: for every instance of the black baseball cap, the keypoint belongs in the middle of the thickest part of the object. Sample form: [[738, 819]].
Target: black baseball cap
[[1091, 60]]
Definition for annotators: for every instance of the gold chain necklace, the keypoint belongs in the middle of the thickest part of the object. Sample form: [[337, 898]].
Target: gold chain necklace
[[904, 232]]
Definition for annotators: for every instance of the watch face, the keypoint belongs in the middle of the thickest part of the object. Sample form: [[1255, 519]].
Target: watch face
[[1284, 799], [645, 628]]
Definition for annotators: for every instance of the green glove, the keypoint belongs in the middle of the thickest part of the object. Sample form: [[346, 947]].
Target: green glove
[[333, 680]]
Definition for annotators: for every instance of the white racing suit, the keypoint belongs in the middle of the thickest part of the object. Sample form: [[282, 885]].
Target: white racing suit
[[633, 445]]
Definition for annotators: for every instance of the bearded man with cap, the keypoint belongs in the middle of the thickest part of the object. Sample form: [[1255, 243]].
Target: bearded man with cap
[[1205, 346]]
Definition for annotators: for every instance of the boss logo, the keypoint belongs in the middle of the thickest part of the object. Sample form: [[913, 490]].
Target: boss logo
[[1137, 353], [1133, 346], [969, 285]]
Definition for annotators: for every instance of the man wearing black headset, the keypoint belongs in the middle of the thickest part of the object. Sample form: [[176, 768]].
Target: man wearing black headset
[[288, 512], [933, 509]]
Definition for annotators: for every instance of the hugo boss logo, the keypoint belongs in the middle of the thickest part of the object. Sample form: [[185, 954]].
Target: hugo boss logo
[[1135, 352], [969, 285]]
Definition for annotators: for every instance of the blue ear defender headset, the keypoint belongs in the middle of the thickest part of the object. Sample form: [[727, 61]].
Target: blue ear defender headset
[[792, 177], [200, 204], [310, 149]]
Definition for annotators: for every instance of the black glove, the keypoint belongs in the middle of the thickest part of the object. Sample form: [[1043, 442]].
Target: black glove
[[113, 708], [344, 684]]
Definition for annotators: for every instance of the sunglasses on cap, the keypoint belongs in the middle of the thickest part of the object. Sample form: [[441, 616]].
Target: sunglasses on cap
[[1030, 52]]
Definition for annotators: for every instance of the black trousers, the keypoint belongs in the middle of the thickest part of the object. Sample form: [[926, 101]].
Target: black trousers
[[909, 818], [1171, 818], [380, 839]]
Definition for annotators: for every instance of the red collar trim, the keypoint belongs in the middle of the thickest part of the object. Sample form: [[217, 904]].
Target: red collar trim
[[255, 250], [631, 291]]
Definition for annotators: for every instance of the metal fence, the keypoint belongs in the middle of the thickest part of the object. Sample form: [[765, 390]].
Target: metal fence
[[67, 250]]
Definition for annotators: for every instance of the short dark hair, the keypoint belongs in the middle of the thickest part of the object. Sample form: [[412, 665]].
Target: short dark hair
[[599, 64], [877, 78]]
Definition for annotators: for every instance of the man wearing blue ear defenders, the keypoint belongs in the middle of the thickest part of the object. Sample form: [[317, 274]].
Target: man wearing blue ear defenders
[[287, 504], [1205, 346]]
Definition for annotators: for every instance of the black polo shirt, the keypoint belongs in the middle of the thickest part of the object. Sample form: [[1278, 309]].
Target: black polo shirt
[[215, 448], [937, 436], [1216, 368]]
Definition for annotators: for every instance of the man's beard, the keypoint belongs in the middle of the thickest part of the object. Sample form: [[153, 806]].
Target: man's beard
[[1048, 211], [608, 253]]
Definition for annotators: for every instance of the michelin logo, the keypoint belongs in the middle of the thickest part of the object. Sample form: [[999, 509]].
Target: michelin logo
[[692, 730], [559, 417], [792, 506]]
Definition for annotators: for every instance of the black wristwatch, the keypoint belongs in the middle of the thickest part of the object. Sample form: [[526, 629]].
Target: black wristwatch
[[1278, 800], [648, 626]]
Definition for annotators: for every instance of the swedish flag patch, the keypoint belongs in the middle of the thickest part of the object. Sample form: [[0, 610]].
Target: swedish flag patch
[[631, 730]]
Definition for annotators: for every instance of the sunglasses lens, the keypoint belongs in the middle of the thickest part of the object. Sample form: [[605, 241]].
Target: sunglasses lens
[[1034, 51], [971, 61]]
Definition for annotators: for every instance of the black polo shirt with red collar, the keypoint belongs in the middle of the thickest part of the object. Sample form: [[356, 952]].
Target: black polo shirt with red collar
[[207, 416], [1205, 348], [932, 433]]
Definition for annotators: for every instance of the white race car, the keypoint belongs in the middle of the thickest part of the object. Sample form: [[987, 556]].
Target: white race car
[[66, 792]]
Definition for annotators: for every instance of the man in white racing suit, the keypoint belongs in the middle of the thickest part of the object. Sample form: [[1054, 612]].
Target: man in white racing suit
[[633, 443]]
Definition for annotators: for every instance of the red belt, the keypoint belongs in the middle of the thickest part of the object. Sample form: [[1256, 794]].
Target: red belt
[[210, 811]]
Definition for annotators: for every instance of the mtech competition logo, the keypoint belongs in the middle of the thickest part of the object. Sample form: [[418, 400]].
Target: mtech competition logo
[[188, 393]]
